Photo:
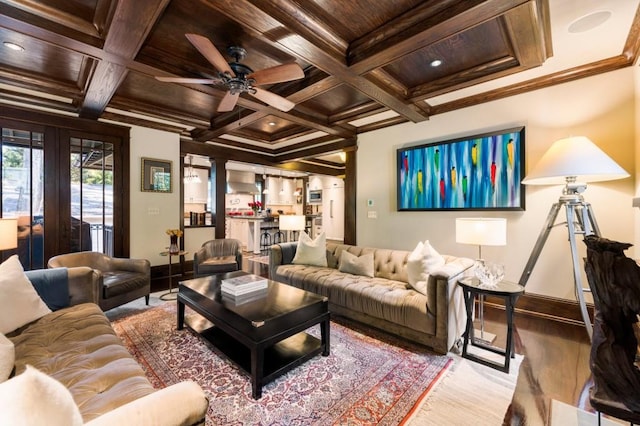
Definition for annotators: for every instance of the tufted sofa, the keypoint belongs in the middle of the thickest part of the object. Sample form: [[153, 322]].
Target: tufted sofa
[[77, 346], [386, 301]]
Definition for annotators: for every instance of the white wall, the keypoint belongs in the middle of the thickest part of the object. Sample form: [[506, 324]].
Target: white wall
[[600, 107], [153, 213]]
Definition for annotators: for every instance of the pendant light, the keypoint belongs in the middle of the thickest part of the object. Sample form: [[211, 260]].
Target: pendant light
[[281, 185], [264, 179], [190, 175]]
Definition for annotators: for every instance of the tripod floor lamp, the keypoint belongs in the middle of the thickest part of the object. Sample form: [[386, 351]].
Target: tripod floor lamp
[[573, 162]]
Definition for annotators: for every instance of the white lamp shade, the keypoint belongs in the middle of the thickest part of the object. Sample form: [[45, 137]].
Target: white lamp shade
[[574, 157], [292, 222], [8, 234], [481, 231]]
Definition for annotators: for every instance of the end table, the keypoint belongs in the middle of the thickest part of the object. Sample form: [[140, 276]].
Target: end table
[[509, 292], [170, 295]]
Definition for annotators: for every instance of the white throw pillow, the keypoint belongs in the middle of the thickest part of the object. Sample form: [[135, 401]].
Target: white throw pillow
[[311, 252], [422, 261], [357, 265], [7, 357], [19, 302], [33, 398]]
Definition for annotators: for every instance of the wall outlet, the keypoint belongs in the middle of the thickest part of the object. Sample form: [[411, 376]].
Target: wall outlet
[[372, 214]]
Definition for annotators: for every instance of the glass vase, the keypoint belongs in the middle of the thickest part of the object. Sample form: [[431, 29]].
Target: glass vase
[[173, 246]]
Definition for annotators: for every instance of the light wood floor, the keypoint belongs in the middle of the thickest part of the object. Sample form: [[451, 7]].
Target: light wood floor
[[555, 365]]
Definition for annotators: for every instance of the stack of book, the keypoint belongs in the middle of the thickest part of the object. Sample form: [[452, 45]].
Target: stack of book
[[243, 289]]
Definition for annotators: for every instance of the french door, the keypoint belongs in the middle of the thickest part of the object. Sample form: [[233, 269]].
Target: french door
[[66, 189]]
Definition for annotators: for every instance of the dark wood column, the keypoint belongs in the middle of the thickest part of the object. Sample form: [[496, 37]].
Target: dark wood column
[[219, 175], [350, 181]]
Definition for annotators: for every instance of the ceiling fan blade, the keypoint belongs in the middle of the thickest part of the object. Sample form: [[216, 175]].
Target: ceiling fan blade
[[228, 102], [210, 52], [188, 80], [274, 100], [278, 74]]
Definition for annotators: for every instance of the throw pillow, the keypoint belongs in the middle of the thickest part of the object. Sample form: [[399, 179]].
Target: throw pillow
[[311, 252], [357, 265], [7, 357], [422, 261], [52, 285], [33, 398], [19, 301]]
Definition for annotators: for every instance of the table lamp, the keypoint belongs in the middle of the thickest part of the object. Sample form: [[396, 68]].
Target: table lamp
[[571, 162], [8, 234], [291, 222], [481, 231]]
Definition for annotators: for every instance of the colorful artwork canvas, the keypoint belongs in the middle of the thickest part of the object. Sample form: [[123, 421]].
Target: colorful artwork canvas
[[481, 172]]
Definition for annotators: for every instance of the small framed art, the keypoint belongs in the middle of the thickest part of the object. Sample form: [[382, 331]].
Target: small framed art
[[156, 175]]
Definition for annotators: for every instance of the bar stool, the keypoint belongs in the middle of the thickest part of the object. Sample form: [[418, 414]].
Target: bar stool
[[265, 239], [278, 237]]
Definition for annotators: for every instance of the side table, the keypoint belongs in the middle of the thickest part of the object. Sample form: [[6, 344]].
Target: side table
[[509, 292], [170, 295]]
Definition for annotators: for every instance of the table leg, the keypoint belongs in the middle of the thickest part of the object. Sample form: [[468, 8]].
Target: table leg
[[256, 237], [167, 296], [468, 301], [257, 366], [180, 315], [324, 334]]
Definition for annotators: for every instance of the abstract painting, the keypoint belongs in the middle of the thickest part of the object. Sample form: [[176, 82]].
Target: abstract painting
[[480, 172]]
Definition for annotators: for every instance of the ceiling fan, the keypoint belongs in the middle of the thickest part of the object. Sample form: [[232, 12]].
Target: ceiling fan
[[239, 78]]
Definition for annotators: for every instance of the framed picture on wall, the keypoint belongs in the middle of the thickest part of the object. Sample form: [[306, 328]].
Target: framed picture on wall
[[156, 175], [479, 172]]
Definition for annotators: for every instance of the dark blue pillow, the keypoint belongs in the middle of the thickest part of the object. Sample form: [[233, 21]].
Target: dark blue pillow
[[52, 286]]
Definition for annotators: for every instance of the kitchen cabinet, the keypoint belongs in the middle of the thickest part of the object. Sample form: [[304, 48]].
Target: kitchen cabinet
[[197, 193], [288, 187], [239, 230], [333, 212]]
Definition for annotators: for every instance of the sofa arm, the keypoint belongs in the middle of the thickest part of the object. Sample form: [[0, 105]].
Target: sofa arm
[[184, 403], [84, 285], [142, 266], [281, 254], [445, 300]]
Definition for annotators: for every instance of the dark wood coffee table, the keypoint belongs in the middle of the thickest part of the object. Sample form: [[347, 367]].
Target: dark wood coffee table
[[264, 337]]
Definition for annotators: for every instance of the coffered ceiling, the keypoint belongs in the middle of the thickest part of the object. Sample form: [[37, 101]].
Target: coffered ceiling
[[367, 63]]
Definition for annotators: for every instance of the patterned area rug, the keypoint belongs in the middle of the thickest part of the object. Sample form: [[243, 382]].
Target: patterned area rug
[[365, 380]]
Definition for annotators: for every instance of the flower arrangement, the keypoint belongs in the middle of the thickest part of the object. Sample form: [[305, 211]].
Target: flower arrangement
[[255, 205], [174, 232]]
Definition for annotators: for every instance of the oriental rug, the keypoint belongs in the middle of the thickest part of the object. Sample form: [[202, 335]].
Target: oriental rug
[[367, 379]]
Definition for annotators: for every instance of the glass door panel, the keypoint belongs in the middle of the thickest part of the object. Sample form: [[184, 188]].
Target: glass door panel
[[23, 193], [91, 195]]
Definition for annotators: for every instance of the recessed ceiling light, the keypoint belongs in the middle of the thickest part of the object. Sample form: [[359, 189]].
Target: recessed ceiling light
[[589, 21], [436, 63], [13, 46], [272, 123]]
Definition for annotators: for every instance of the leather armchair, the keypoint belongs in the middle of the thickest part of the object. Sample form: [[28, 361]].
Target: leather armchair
[[118, 280], [217, 256]]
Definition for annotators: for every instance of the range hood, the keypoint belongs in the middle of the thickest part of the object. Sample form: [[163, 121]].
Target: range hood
[[239, 182]]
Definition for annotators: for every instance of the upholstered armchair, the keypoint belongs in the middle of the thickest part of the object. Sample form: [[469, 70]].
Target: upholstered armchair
[[118, 280], [217, 256]]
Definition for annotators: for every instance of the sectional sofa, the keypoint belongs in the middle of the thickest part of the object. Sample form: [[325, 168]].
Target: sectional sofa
[[77, 346], [384, 300]]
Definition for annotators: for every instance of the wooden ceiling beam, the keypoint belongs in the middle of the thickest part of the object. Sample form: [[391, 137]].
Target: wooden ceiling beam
[[55, 15], [131, 23], [262, 24], [317, 150], [458, 17], [525, 28]]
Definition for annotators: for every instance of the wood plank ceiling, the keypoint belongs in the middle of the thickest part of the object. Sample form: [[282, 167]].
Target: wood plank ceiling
[[365, 61]]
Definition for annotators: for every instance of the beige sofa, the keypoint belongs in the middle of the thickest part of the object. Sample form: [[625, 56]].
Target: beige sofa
[[386, 301], [77, 346]]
